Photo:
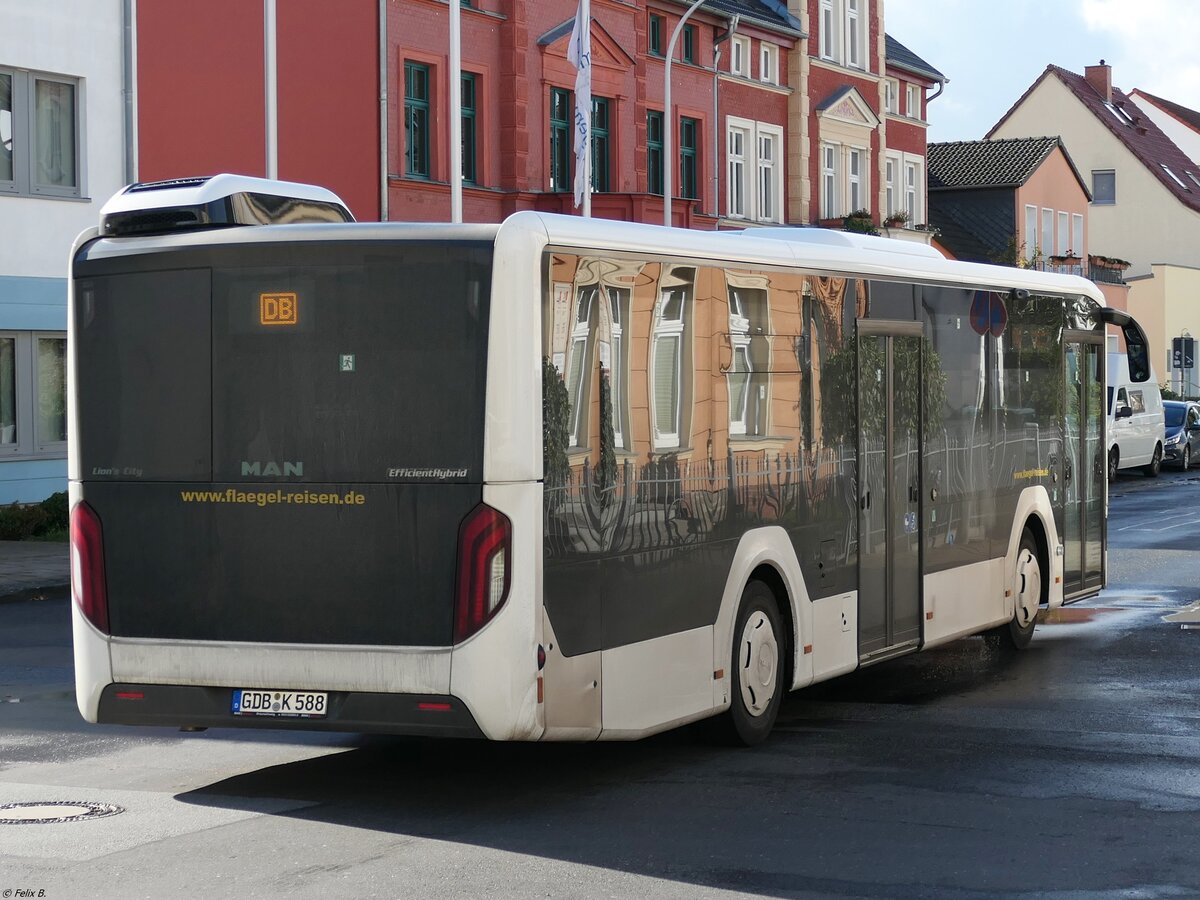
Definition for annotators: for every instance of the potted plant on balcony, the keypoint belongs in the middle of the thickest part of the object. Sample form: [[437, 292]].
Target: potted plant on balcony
[[898, 219], [1108, 262], [860, 222]]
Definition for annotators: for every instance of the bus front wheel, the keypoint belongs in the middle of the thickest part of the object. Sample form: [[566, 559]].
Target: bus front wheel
[[757, 668], [1019, 631]]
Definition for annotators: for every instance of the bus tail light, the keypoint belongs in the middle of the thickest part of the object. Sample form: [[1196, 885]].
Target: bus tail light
[[87, 566], [484, 569]]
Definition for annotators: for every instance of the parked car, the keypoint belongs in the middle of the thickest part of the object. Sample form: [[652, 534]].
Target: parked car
[[1182, 421], [1136, 434]]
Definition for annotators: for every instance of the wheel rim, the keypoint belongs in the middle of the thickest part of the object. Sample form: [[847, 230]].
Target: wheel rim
[[758, 662], [1029, 587]]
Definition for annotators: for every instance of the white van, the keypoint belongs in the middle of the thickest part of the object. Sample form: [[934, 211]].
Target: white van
[[1135, 420]]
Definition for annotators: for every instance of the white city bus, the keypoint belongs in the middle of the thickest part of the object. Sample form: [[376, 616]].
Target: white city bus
[[557, 478]]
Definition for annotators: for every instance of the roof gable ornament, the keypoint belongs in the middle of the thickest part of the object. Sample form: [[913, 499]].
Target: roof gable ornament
[[848, 105]]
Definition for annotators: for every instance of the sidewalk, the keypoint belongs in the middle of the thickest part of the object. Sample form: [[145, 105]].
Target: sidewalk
[[34, 570]]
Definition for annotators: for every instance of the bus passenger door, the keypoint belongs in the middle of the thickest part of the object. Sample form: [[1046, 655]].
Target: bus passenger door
[[1083, 465], [889, 486]]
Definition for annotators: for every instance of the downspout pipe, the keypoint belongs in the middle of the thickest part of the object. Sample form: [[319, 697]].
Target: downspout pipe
[[383, 112], [128, 43]]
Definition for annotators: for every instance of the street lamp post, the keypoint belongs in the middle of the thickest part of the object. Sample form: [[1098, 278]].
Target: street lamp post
[[669, 116]]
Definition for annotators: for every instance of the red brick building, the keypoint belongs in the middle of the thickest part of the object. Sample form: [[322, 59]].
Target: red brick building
[[778, 109]]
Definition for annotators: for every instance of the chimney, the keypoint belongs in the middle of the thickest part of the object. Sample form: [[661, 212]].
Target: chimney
[[1100, 78]]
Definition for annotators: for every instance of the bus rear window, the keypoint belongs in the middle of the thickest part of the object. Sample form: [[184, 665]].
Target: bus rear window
[[331, 362]]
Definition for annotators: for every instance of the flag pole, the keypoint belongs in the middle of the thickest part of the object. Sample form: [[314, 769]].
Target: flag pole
[[585, 10]]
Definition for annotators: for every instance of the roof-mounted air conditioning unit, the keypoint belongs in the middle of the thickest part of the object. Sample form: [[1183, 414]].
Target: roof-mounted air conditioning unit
[[217, 201]]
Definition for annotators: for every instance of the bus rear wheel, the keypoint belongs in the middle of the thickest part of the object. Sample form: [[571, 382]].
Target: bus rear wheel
[[756, 670], [1019, 631]]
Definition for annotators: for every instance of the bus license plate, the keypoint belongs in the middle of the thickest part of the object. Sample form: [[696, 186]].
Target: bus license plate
[[297, 704]]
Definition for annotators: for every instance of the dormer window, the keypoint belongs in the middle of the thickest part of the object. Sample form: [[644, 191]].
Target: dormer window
[[1174, 177], [1192, 176]]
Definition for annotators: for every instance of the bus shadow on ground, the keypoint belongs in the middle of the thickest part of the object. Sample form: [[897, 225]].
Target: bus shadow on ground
[[677, 806]]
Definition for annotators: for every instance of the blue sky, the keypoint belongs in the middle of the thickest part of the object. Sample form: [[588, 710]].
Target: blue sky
[[992, 50]]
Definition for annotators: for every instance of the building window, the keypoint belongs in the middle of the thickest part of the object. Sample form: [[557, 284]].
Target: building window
[[689, 132], [889, 182], [618, 314], [689, 44], [827, 37], [40, 136], [829, 181], [854, 35], [854, 173], [912, 172], [737, 138], [33, 394], [768, 63], [470, 171], [913, 101], [1047, 244], [1077, 234], [1064, 234], [754, 182], [769, 199], [416, 120], [1031, 232], [600, 144], [739, 56], [655, 37], [1104, 187], [560, 140], [891, 96], [741, 369], [654, 152]]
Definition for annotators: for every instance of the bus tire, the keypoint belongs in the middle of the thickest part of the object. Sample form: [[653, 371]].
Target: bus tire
[[1019, 631], [1155, 465], [757, 666]]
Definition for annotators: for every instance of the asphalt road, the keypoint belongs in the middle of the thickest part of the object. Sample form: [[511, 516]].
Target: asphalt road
[[1070, 770]]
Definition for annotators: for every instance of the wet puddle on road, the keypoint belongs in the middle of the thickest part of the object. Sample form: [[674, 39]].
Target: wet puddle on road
[[1073, 615]]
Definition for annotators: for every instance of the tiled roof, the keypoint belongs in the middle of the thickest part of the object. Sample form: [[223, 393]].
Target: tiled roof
[[900, 57], [1009, 162], [1139, 134], [771, 14], [1188, 117]]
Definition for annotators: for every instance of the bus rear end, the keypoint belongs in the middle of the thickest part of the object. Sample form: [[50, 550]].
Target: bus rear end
[[279, 510]]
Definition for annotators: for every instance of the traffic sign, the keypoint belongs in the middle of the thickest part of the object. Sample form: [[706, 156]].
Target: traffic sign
[[1183, 353]]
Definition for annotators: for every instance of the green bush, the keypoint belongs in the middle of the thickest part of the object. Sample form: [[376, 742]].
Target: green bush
[[20, 522]]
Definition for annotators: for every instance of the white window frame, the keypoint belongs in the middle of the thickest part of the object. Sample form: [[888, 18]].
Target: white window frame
[[580, 361], [619, 300], [739, 339], [752, 177], [854, 14], [891, 96], [830, 194], [22, 124], [1077, 235], [1031, 230], [855, 179], [738, 135], [1113, 174], [1047, 234], [828, 38], [768, 197], [29, 442], [891, 166], [768, 62], [739, 56], [912, 101], [1062, 240], [914, 195]]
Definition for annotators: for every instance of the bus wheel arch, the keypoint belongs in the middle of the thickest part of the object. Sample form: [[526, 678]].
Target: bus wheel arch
[[789, 636]]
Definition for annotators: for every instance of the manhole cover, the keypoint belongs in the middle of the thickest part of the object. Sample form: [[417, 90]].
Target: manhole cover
[[53, 812]]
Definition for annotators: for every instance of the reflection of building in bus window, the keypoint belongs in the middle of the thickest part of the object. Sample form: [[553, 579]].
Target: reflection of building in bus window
[[671, 356], [618, 362], [749, 364], [583, 328]]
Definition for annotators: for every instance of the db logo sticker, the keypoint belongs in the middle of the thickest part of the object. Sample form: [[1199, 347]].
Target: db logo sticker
[[278, 309]]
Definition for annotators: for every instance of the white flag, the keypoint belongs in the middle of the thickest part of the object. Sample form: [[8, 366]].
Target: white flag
[[579, 53]]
